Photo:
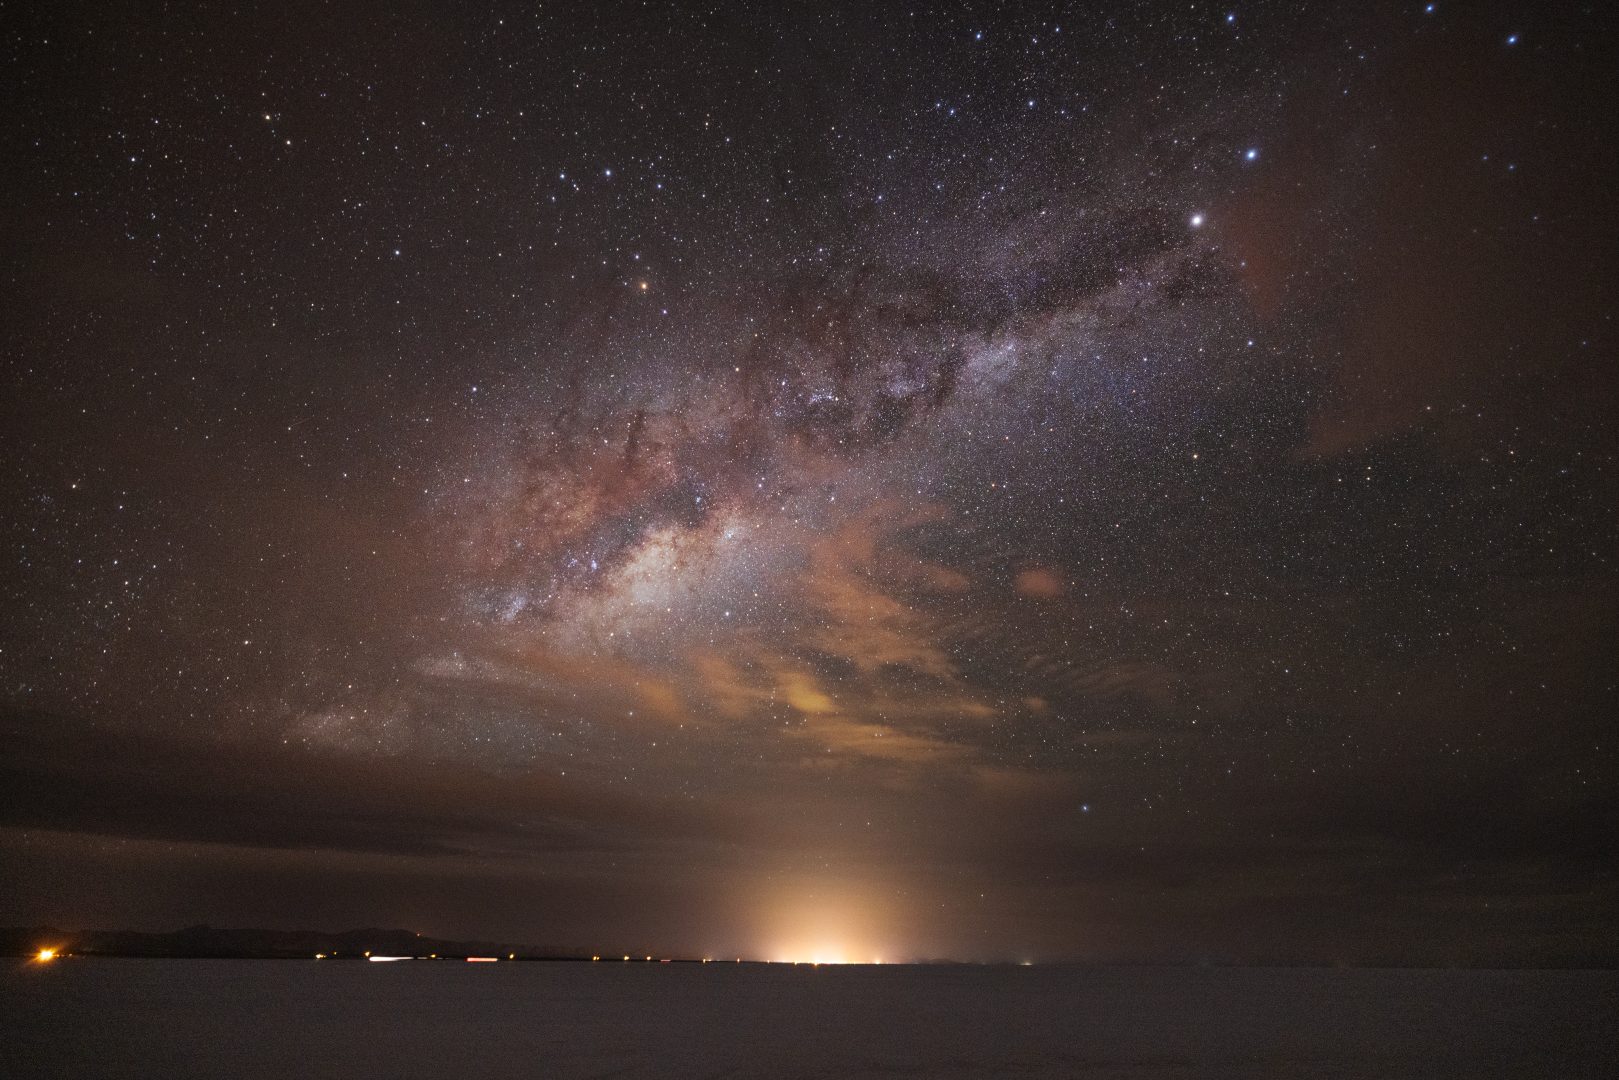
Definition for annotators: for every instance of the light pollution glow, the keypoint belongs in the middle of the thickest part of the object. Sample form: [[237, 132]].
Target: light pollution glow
[[813, 923]]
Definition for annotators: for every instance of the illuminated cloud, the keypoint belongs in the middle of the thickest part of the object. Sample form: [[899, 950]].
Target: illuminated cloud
[[1039, 582]]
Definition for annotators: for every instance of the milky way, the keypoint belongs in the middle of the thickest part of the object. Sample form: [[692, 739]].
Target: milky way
[[1002, 485]]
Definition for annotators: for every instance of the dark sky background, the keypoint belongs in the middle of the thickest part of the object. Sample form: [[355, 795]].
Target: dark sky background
[[990, 481]]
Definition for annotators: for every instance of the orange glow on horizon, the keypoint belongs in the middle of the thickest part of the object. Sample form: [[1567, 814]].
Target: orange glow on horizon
[[820, 922], [45, 956], [825, 955]]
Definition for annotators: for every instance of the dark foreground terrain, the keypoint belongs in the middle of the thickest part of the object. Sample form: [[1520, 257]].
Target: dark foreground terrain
[[215, 1018]]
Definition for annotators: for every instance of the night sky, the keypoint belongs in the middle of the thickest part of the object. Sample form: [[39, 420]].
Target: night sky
[[1005, 482]]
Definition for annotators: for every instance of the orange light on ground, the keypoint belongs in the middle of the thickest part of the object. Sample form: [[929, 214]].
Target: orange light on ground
[[482, 959], [45, 956]]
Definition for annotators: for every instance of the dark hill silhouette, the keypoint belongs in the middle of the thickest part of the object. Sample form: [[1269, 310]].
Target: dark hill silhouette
[[208, 941]]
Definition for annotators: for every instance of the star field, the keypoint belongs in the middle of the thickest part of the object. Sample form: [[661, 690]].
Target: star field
[[975, 480]]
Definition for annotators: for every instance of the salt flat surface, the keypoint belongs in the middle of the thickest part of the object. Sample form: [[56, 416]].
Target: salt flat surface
[[249, 1019]]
